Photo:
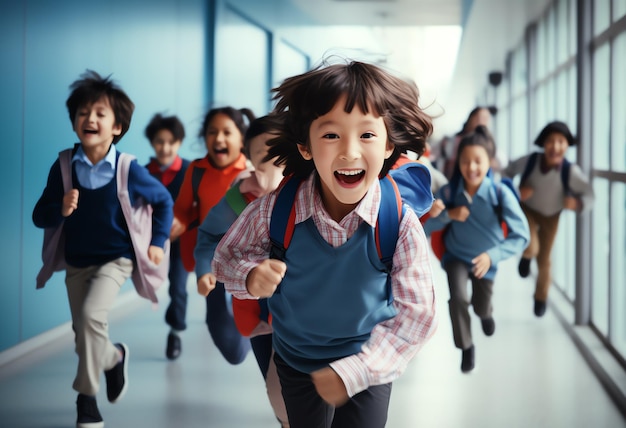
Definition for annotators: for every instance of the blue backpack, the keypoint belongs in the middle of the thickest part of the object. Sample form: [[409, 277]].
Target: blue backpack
[[408, 183]]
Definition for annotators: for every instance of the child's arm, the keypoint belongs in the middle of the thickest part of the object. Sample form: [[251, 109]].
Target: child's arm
[[583, 198], [393, 343], [184, 209], [212, 229], [245, 246], [48, 211]]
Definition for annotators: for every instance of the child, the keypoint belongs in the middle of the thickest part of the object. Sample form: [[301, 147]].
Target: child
[[98, 250], [166, 135], [206, 181], [548, 185], [474, 239], [265, 178], [344, 327]]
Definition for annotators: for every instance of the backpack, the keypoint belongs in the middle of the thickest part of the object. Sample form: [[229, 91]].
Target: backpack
[[565, 170], [437, 241], [146, 276], [408, 183]]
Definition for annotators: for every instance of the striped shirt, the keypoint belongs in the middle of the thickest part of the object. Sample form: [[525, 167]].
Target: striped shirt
[[394, 342]]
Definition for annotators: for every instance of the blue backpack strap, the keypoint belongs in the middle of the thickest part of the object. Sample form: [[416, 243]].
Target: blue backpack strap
[[530, 164], [283, 217], [388, 222], [565, 169]]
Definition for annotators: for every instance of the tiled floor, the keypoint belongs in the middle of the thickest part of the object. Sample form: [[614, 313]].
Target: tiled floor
[[529, 374]]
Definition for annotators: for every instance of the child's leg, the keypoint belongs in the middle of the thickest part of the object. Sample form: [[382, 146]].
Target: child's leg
[[91, 292], [177, 309], [275, 393], [233, 346], [548, 227], [532, 249], [367, 409], [482, 291], [459, 303]]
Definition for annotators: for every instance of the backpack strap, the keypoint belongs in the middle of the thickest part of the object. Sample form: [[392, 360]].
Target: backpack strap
[[123, 168], [196, 178], [235, 199], [65, 161], [283, 219], [388, 221], [530, 164], [565, 171]]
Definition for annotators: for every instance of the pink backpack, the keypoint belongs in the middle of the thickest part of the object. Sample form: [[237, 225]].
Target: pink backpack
[[147, 277]]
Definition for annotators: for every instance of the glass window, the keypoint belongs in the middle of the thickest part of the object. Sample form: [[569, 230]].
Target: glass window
[[562, 32], [573, 27], [601, 108], [619, 9], [519, 74], [520, 142], [540, 48], [550, 40], [618, 270], [601, 16], [618, 131], [572, 101], [564, 255], [600, 256]]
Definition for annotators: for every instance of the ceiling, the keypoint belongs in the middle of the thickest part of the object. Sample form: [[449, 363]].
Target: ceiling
[[490, 28]]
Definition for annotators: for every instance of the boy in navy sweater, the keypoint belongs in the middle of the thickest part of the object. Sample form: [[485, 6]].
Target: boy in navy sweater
[[98, 251]]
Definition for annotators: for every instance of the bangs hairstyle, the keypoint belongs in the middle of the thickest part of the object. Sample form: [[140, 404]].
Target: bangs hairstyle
[[90, 88], [171, 123], [242, 118], [480, 137], [303, 98]]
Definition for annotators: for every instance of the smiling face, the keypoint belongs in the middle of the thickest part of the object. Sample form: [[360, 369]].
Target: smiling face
[[95, 127], [348, 150], [554, 148], [165, 146], [474, 164], [223, 140]]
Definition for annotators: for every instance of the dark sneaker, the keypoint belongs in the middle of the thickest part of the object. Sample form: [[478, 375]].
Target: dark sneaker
[[489, 326], [524, 267], [173, 346], [117, 377], [540, 308], [467, 361], [88, 413]]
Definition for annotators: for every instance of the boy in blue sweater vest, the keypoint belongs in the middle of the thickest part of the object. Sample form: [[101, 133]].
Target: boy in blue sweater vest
[[99, 254]]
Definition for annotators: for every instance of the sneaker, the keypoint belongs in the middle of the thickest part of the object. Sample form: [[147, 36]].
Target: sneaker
[[173, 346], [524, 267], [540, 308], [116, 377], [467, 361], [88, 413], [489, 326]]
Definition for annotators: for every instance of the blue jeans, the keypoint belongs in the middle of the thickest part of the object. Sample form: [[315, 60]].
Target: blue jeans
[[177, 310], [233, 346]]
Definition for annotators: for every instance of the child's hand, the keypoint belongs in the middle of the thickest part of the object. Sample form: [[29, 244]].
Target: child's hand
[[155, 254], [459, 213], [206, 284], [70, 202], [437, 208], [176, 230], [263, 280], [570, 203], [482, 263], [525, 192], [330, 387]]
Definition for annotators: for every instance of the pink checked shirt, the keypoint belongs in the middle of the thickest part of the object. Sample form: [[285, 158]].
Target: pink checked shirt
[[393, 343]]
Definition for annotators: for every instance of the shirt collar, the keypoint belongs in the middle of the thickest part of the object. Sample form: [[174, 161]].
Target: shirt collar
[[109, 158], [484, 190], [367, 208]]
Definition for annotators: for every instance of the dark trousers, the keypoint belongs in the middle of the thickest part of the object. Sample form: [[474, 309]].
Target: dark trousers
[[482, 291], [262, 349], [306, 409], [176, 312], [219, 318]]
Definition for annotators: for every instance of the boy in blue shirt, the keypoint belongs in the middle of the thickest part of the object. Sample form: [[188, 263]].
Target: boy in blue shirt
[[99, 254]]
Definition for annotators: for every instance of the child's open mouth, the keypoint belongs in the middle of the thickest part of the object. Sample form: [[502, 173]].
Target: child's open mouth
[[90, 131], [223, 151], [349, 177]]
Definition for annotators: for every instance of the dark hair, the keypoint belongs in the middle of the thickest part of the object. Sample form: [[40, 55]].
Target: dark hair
[[479, 137], [90, 88], [171, 123], [471, 115], [238, 116], [553, 127], [258, 126], [303, 98]]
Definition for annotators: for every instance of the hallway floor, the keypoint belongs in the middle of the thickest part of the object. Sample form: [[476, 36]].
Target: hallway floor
[[529, 374]]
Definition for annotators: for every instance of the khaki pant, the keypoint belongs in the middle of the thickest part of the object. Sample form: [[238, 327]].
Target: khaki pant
[[91, 292], [542, 233]]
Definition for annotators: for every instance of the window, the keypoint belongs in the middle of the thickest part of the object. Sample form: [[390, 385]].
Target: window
[[618, 130], [600, 256]]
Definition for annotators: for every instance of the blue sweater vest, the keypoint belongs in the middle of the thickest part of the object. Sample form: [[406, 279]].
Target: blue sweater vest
[[330, 299], [96, 233]]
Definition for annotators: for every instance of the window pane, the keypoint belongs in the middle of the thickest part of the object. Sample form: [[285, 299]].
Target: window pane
[[562, 32], [618, 271], [601, 112], [600, 256], [619, 9], [573, 27], [618, 135], [601, 17], [564, 255]]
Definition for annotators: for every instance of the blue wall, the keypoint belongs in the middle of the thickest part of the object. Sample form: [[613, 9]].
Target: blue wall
[[156, 50]]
